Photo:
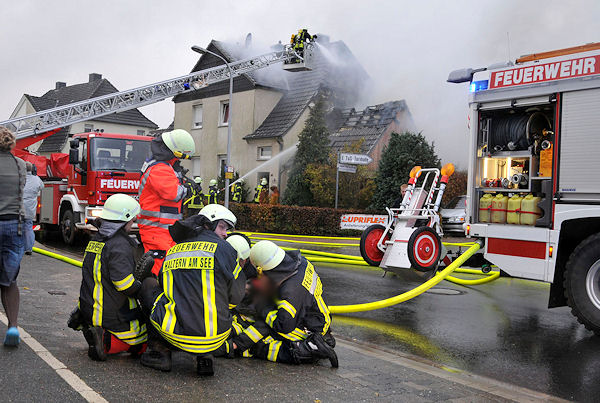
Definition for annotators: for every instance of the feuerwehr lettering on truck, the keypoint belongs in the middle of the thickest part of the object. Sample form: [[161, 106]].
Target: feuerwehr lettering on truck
[[119, 184]]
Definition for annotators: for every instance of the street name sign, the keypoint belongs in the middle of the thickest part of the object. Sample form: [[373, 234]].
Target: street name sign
[[355, 159]]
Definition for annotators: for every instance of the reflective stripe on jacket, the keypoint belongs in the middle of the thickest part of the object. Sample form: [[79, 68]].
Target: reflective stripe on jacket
[[108, 288], [200, 279], [160, 197], [299, 304]]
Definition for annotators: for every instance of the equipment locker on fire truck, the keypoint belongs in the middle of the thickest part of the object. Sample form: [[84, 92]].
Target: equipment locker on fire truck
[[533, 191]]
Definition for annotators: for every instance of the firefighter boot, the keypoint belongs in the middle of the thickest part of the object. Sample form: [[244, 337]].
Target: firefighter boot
[[95, 339], [204, 365], [312, 349], [329, 339], [157, 356]]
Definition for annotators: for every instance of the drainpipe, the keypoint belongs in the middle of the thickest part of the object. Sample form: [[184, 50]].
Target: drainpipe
[[280, 142]]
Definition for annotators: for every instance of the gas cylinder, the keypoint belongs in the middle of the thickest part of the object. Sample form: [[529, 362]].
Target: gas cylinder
[[485, 204], [499, 205], [530, 211], [513, 212]]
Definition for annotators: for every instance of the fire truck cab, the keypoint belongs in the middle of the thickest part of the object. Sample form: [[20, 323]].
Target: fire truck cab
[[534, 160], [102, 164]]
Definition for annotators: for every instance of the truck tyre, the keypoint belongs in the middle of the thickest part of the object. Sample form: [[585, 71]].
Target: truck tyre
[[368, 244], [67, 227], [582, 283]]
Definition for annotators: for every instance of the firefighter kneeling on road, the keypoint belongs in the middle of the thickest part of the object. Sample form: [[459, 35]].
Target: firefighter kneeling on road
[[161, 191], [294, 327], [199, 281], [107, 311]]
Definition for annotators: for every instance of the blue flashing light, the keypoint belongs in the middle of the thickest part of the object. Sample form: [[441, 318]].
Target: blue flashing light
[[479, 86]]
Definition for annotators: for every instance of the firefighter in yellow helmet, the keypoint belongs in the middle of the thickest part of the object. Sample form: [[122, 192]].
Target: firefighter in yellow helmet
[[161, 192], [200, 279], [297, 318], [108, 312]]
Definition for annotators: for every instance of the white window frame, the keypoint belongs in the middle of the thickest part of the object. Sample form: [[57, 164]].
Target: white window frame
[[88, 127], [221, 160], [195, 123], [259, 153], [222, 113], [141, 132]]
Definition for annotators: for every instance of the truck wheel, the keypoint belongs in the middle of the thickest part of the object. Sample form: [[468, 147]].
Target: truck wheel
[[582, 283], [424, 249], [67, 227], [368, 244]]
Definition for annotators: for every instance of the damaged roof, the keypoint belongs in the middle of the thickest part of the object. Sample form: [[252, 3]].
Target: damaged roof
[[351, 125], [64, 95]]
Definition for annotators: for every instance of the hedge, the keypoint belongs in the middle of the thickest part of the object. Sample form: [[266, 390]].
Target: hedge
[[295, 220]]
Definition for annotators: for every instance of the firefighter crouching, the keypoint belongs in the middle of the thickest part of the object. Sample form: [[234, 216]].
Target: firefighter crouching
[[107, 310], [294, 327], [161, 192], [199, 281]]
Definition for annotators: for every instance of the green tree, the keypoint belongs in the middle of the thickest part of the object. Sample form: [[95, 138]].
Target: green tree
[[403, 152], [313, 148]]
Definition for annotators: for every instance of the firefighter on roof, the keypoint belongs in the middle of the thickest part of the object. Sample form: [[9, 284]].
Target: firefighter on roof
[[107, 311], [198, 283], [162, 191], [300, 39]]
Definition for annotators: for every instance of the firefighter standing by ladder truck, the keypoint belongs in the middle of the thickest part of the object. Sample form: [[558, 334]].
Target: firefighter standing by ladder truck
[[161, 192]]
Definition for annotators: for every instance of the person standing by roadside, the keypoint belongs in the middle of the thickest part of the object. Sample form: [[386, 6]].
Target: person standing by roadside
[[12, 239], [33, 187]]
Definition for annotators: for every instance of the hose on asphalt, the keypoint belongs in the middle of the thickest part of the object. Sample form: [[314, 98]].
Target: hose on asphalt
[[384, 303], [54, 255]]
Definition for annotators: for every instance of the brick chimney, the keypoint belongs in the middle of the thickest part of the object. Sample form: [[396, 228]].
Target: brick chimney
[[95, 77], [60, 84]]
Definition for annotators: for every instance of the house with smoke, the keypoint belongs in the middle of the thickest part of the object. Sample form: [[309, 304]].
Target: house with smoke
[[270, 108], [128, 122], [369, 128]]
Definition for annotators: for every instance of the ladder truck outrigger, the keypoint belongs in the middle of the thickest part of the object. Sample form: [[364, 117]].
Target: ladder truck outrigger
[[102, 164]]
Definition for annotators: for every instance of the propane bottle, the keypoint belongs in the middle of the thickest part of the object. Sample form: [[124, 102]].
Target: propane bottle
[[485, 204], [530, 211], [513, 212], [499, 205]]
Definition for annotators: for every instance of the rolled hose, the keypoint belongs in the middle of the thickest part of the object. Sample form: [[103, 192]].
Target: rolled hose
[[370, 306]]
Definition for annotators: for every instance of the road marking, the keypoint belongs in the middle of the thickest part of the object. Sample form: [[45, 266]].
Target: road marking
[[488, 385], [61, 369]]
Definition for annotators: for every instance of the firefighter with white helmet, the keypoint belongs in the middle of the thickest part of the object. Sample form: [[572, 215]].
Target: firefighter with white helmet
[[213, 192], [195, 201], [108, 312], [161, 192], [200, 279], [262, 191], [297, 318]]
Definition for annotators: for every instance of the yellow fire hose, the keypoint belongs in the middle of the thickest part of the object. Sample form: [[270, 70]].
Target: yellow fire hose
[[252, 235], [74, 262], [443, 275], [331, 244], [370, 306]]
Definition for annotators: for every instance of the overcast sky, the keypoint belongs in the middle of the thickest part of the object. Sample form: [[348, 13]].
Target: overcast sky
[[407, 47]]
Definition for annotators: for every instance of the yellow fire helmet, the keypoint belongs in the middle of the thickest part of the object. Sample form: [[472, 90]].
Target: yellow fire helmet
[[266, 255], [120, 207], [180, 142], [240, 244]]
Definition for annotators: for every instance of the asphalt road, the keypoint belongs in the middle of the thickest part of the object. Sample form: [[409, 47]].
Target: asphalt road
[[430, 348]]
